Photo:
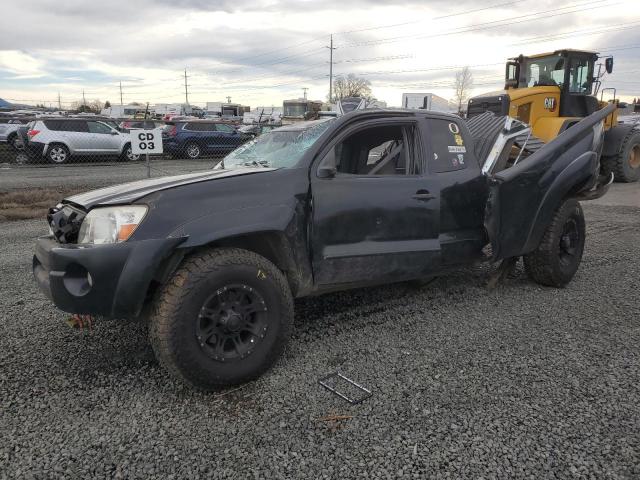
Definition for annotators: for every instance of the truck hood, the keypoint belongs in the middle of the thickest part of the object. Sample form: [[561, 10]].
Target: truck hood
[[130, 192]]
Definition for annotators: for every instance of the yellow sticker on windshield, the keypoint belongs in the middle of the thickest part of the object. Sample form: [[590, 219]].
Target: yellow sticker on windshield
[[458, 139]]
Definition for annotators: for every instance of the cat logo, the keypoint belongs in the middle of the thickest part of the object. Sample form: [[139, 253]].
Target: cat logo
[[550, 103]]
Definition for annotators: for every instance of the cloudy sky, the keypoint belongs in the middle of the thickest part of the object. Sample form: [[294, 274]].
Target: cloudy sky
[[260, 52]]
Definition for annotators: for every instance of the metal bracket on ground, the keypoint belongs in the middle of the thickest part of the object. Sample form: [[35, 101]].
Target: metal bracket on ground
[[324, 381]]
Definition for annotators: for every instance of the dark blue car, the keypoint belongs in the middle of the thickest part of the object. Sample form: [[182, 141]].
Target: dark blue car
[[196, 138]]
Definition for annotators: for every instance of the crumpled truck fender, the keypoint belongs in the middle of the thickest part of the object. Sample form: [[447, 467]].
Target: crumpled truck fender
[[283, 228], [577, 172], [229, 223]]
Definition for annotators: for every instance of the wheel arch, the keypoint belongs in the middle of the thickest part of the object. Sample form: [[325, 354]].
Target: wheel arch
[[273, 245], [49, 145], [570, 181]]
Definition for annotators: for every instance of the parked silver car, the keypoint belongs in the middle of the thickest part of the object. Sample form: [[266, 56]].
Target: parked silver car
[[9, 132], [61, 138]]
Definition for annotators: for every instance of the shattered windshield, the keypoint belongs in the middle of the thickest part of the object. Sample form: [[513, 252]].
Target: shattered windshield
[[276, 149]]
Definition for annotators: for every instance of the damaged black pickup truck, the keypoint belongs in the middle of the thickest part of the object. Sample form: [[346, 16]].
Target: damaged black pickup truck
[[216, 258]]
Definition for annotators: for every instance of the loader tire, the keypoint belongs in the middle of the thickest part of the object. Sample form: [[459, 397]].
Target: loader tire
[[557, 258], [222, 319], [626, 164]]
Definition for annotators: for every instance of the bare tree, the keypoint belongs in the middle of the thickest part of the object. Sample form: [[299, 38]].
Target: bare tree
[[350, 86], [93, 106], [463, 86]]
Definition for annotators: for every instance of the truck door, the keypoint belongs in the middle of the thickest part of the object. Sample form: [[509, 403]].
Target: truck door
[[375, 213], [463, 189]]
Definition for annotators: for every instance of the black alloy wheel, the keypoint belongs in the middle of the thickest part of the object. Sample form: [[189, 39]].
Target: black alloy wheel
[[569, 242], [232, 323]]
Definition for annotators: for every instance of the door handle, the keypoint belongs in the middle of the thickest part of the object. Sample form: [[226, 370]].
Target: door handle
[[423, 195]]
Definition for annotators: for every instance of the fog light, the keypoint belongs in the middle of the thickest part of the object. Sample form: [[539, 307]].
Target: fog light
[[77, 280]]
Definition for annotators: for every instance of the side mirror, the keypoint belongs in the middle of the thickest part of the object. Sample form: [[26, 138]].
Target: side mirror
[[327, 168], [608, 64], [114, 132], [327, 172]]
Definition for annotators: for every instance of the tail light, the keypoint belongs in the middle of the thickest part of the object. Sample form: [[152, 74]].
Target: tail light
[[172, 131], [32, 133]]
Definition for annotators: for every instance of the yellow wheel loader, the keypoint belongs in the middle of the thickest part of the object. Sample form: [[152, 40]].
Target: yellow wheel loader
[[553, 91]]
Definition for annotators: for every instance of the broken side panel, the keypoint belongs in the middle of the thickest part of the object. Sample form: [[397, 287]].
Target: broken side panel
[[523, 198]]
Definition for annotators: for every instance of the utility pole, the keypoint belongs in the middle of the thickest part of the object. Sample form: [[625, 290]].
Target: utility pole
[[331, 49], [84, 101], [59, 102], [304, 89], [186, 88], [120, 92]]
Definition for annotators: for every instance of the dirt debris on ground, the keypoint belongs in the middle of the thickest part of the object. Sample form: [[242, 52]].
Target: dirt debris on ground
[[522, 381]]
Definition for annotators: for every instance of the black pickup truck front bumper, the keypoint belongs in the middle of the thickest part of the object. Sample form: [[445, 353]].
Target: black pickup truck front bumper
[[108, 280]]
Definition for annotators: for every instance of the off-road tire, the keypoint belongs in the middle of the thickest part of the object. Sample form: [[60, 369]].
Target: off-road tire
[[173, 323], [626, 164], [58, 153], [549, 264]]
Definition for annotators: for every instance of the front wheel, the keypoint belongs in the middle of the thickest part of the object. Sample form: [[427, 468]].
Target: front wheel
[[223, 319], [557, 258]]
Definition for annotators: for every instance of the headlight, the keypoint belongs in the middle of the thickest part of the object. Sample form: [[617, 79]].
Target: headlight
[[111, 224]]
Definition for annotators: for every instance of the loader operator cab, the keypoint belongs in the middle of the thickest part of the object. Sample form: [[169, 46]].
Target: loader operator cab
[[572, 71], [551, 93]]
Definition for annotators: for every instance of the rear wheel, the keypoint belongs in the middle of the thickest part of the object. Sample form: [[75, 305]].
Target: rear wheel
[[58, 153], [14, 142], [192, 150], [223, 318], [626, 165], [128, 155], [557, 258]]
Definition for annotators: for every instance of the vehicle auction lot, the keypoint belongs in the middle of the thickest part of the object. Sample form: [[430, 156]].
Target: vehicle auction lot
[[520, 381]]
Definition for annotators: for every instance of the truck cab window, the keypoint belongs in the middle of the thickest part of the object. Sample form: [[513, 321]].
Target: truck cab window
[[374, 151]]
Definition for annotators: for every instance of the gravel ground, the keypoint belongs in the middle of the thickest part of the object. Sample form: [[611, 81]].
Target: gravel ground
[[520, 382]]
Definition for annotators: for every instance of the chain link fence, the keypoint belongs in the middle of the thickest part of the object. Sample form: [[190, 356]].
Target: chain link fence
[[46, 158]]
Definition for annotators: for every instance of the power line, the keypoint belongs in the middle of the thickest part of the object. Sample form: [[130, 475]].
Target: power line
[[487, 25], [315, 39], [623, 26]]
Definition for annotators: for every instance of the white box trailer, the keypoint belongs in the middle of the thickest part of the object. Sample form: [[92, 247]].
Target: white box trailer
[[122, 111], [226, 110], [163, 109], [426, 101], [263, 115]]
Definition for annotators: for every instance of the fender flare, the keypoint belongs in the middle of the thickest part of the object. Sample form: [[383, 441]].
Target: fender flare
[[561, 188]]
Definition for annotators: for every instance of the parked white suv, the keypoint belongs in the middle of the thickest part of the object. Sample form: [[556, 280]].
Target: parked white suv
[[61, 138]]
